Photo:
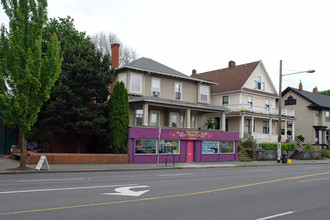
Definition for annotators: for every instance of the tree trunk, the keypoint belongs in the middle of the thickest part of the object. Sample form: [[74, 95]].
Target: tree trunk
[[22, 147]]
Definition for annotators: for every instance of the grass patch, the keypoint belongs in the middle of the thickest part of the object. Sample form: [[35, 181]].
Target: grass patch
[[241, 159], [325, 153]]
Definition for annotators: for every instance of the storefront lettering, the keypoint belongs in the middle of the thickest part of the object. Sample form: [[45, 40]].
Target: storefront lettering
[[192, 135]]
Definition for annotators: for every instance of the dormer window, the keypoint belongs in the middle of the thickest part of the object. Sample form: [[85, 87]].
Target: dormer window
[[258, 84]]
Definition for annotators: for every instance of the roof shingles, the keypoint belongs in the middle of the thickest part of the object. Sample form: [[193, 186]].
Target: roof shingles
[[229, 79]]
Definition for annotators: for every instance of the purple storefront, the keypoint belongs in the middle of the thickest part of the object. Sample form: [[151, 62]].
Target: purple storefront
[[181, 145]]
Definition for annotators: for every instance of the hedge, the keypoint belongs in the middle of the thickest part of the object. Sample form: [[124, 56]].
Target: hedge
[[273, 146]]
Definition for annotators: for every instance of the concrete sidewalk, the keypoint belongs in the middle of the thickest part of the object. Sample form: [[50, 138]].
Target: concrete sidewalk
[[7, 166]]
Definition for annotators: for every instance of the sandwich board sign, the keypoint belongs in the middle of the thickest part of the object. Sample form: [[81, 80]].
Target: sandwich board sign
[[42, 160]]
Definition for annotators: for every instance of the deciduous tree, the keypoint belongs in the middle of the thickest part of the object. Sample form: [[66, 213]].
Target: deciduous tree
[[27, 72]]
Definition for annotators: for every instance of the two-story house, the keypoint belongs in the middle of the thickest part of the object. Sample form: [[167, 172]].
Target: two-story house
[[168, 110], [248, 91], [312, 111]]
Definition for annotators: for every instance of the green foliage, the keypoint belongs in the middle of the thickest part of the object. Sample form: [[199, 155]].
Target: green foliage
[[119, 118], [301, 138], [273, 146], [242, 159], [78, 105], [325, 153], [326, 92], [211, 123], [247, 143], [27, 71], [309, 147]]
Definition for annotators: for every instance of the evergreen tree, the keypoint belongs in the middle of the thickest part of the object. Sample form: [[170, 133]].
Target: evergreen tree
[[78, 105], [27, 72], [119, 118]]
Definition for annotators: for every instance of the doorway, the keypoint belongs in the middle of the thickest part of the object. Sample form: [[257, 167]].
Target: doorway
[[190, 151]]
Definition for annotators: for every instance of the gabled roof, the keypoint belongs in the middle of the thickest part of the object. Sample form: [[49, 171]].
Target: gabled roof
[[229, 79], [317, 100], [151, 66]]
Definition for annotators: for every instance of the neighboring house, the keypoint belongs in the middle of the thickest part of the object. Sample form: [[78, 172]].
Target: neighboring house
[[248, 91], [312, 111], [168, 110]]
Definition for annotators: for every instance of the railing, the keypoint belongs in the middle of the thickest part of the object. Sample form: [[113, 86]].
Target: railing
[[259, 109], [263, 138]]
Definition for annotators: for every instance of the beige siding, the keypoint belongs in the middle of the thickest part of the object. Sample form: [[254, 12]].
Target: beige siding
[[260, 71], [305, 117]]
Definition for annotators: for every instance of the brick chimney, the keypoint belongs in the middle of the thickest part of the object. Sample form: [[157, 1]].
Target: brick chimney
[[315, 90], [115, 55], [114, 62], [300, 86], [194, 72], [231, 64]]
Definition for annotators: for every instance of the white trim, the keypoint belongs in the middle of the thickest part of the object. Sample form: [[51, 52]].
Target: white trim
[[181, 92], [178, 119], [152, 90], [140, 81], [158, 118]]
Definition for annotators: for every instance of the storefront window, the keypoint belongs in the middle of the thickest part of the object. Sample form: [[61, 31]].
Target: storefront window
[[169, 147], [210, 147], [227, 147], [145, 146]]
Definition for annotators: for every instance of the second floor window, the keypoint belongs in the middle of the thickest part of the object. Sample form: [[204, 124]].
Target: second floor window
[[225, 100], [267, 104], [136, 83], [174, 120], [204, 93], [249, 100], [154, 119], [122, 77], [155, 87], [327, 116], [178, 91]]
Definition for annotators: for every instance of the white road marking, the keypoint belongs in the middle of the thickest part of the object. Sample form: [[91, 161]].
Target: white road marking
[[49, 180], [178, 174], [62, 189], [278, 215], [126, 191]]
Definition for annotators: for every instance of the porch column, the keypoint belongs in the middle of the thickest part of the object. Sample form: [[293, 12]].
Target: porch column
[[285, 129], [293, 134], [242, 126], [223, 121], [252, 124], [145, 114], [188, 117]]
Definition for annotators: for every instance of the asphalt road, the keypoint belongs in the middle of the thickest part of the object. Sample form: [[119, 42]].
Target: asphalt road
[[268, 192]]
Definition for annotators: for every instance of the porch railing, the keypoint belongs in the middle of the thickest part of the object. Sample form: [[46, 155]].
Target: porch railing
[[259, 109]]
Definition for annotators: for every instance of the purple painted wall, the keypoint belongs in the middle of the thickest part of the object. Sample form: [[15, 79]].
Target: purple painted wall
[[183, 135]]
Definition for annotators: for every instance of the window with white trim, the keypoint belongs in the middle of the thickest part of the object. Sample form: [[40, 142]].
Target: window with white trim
[[327, 116], [265, 128], [249, 100], [155, 86], [138, 116], [204, 93], [178, 91], [267, 103], [258, 84], [225, 100], [136, 83], [154, 118], [174, 120], [122, 78]]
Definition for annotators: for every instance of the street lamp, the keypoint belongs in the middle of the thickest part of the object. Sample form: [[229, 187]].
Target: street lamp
[[280, 108]]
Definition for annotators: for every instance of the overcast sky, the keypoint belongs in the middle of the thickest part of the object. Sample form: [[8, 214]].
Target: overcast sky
[[206, 34]]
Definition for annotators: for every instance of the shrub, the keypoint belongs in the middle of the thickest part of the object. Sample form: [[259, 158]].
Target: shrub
[[309, 147], [247, 143], [273, 146], [325, 153], [301, 138]]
